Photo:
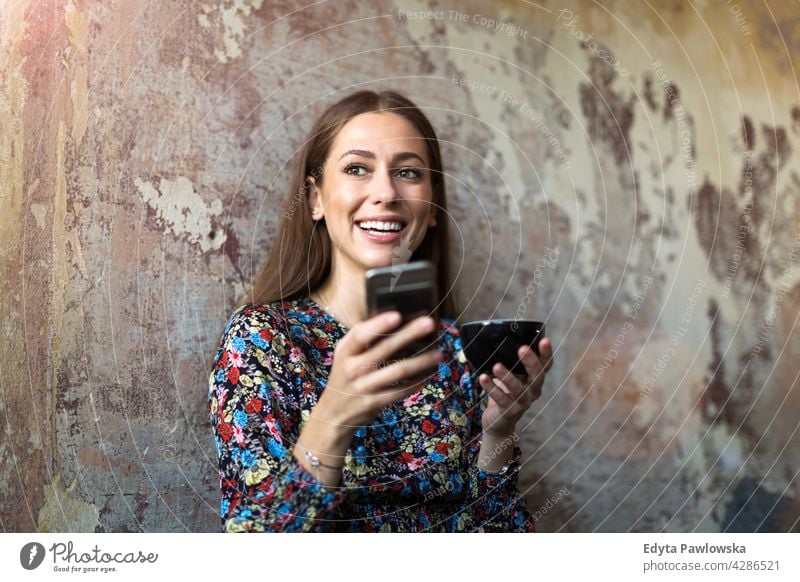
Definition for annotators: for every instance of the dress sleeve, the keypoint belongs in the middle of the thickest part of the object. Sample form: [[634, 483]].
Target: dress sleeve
[[256, 419], [493, 501]]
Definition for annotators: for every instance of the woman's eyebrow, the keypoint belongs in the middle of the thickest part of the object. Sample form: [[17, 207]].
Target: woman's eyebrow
[[407, 156], [396, 158]]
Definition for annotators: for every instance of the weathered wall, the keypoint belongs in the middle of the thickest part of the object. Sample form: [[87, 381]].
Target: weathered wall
[[638, 190]]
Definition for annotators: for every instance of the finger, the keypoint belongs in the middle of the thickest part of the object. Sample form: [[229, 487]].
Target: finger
[[496, 382], [535, 371], [391, 394], [417, 369], [546, 351], [496, 391], [515, 386], [415, 329], [427, 373], [373, 329], [534, 365]]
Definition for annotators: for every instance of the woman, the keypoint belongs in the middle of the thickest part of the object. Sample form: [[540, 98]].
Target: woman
[[314, 430]]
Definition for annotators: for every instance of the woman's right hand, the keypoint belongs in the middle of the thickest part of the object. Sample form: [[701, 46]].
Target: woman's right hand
[[361, 383]]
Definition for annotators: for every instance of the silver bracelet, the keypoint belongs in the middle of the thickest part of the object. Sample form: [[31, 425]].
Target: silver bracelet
[[314, 460]]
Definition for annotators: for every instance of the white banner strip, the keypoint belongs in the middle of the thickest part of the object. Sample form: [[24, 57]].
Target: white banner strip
[[406, 557]]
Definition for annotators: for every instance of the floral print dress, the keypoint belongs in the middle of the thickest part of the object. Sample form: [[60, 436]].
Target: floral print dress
[[413, 469]]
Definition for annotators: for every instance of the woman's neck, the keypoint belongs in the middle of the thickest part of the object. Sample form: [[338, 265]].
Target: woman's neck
[[343, 297]]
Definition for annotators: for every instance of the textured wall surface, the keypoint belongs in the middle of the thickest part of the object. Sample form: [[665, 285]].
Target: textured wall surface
[[626, 171]]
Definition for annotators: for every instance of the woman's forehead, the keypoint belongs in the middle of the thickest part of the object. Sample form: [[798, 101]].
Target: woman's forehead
[[379, 133]]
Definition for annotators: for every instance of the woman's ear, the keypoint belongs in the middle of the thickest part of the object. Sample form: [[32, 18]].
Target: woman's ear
[[314, 198], [432, 218]]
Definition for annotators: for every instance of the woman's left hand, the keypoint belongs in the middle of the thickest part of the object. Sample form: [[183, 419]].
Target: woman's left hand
[[510, 395]]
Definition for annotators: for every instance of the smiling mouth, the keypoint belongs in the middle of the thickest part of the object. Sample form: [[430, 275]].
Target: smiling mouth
[[384, 237], [379, 231]]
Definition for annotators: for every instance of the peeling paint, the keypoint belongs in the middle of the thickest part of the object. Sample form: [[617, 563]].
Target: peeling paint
[[59, 279], [233, 15], [39, 212], [63, 512], [77, 23], [183, 210], [13, 91]]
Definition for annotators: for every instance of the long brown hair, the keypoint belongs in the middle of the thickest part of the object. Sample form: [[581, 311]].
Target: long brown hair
[[300, 259]]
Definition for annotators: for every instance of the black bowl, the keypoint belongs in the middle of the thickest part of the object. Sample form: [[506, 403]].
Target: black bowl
[[497, 340]]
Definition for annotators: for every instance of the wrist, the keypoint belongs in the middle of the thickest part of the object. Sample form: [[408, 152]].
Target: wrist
[[495, 452], [327, 476], [506, 469], [500, 429], [499, 434], [323, 442], [313, 460], [497, 425], [335, 415], [337, 428]]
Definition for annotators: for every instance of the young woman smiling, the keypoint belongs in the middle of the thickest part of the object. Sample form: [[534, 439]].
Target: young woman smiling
[[314, 431]]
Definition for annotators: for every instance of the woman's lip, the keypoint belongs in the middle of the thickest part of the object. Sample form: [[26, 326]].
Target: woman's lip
[[389, 237]]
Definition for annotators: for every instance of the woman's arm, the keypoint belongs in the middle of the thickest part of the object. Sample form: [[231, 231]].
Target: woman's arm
[[495, 451], [256, 419], [328, 442], [493, 501]]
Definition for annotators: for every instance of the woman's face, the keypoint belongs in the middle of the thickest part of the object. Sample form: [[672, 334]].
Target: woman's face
[[377, 167]]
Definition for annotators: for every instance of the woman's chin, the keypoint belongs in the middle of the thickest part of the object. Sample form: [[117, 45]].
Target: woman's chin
[[376, 262], [380, 258]]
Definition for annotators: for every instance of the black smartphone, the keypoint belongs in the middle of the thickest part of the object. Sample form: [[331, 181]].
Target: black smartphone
[[411, 289]]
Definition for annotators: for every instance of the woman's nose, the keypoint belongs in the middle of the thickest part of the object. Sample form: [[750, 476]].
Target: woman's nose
[[383, 187]]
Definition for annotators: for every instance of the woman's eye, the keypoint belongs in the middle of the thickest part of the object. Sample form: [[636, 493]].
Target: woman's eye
[[412, 173], [355, 170]]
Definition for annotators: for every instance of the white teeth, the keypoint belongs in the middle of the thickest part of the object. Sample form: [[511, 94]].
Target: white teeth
[[374, 225]]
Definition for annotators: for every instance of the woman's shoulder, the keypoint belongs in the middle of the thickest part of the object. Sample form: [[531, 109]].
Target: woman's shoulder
[[253, 312], [279, 316], [250, 317]]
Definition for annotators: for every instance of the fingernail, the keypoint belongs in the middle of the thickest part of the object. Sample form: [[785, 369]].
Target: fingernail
[[393, 317], [502, 386]]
